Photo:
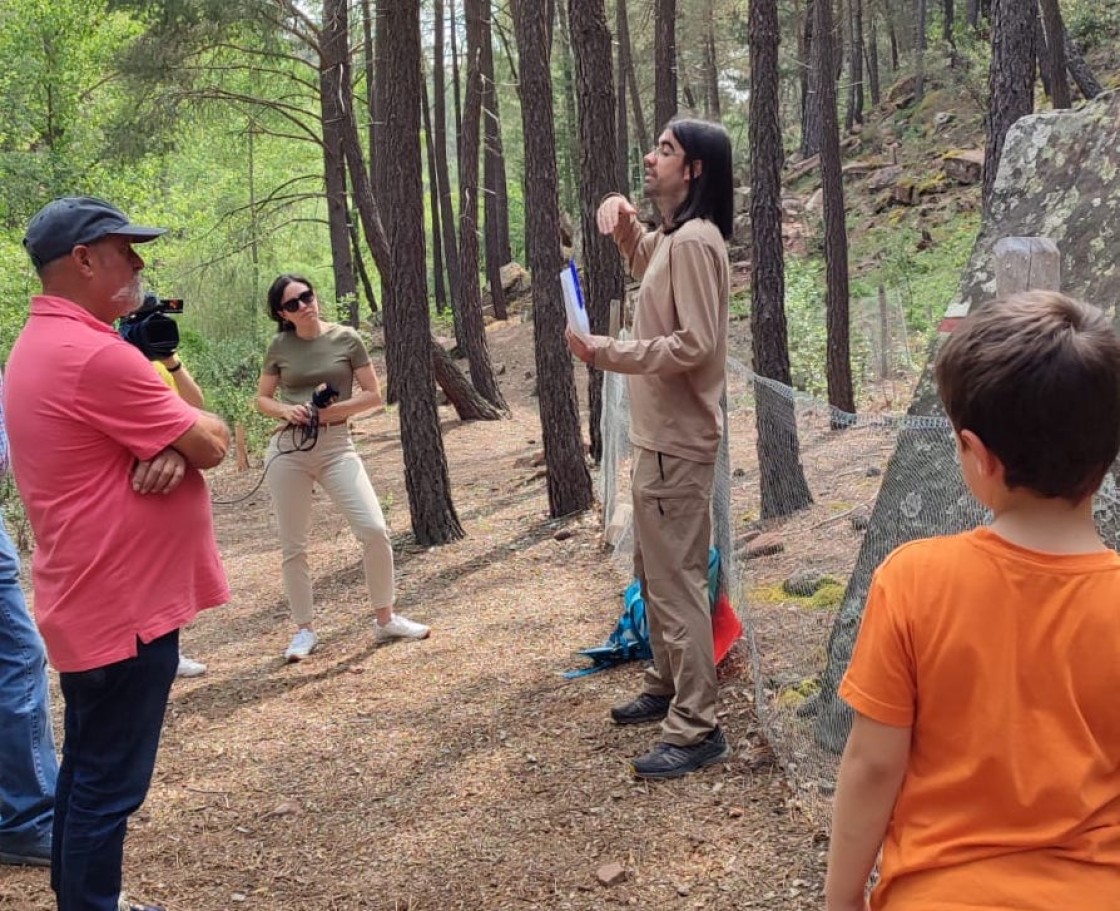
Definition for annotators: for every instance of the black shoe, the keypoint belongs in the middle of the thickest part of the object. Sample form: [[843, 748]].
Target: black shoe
[[38, 855], [666, 760], [646, 707]]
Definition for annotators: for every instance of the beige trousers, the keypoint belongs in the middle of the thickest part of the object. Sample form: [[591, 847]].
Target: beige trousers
[[334, 464], [672, 534]]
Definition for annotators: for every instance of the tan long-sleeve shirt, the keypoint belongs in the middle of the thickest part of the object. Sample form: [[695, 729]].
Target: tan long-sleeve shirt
[[677, 358]]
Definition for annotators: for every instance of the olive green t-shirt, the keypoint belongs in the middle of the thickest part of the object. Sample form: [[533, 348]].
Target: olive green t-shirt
[[302, 364]]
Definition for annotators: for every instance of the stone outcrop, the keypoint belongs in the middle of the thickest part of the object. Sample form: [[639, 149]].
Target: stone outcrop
[[1059, 178]]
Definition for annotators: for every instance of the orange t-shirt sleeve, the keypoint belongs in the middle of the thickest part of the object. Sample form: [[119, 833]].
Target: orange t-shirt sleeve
[[880, 682]]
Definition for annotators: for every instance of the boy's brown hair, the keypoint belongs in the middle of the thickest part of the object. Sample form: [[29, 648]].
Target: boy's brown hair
[[1036, 376]]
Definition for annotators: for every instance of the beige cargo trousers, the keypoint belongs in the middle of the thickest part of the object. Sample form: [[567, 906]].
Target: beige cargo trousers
[[672, 534]]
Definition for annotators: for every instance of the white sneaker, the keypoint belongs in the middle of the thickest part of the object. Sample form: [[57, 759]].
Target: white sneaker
[[400, 627], [303, 644], [188, 667]]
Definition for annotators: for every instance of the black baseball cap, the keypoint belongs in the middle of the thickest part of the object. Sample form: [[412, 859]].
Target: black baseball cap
[[64, 223]]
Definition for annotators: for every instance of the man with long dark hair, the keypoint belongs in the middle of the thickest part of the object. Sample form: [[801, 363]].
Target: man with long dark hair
[[677, 363]]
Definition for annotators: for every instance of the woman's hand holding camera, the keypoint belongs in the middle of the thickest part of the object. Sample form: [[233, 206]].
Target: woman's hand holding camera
[[297, 414]]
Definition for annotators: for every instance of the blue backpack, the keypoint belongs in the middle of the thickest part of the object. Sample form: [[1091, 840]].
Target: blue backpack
[[629, 641]]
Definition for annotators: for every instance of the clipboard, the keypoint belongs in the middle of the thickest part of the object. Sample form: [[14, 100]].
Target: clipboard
[[574, 305]]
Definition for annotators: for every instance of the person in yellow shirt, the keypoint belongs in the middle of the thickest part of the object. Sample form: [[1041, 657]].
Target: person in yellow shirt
[[984, 758], [175, 373]]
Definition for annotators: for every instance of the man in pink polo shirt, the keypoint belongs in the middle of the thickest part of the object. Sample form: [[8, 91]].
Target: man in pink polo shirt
[[107, 460]]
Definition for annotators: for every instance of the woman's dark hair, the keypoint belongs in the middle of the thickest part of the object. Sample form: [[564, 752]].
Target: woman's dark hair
[[711, 195], [276, 298]]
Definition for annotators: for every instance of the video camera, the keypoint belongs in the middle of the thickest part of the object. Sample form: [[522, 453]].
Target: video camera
[[150, 329]]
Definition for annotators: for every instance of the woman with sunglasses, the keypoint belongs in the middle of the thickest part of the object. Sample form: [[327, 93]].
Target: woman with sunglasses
[[306, 353]]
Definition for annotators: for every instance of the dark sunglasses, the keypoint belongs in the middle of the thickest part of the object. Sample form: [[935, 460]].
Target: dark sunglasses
[[291, 306]]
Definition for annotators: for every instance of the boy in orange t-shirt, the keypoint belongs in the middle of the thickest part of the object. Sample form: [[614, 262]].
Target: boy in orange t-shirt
[[985, 754]]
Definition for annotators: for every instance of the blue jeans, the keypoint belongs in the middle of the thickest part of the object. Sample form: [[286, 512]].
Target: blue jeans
[[112, 723], [28, 766]]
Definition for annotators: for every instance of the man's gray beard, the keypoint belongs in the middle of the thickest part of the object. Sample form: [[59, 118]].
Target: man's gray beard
[[132, 295]]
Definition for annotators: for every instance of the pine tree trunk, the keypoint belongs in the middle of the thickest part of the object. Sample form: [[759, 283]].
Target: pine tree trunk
[[783, 488], [873, 61], [494, 176], [379, 147], [920, 60], [591, 45], [433, 204], [1010, 79], [855, 90], [334, 170], [892, 36], [622, 131], [626, 49], [474, 332], [463, 397], [360, 263], [401, 256], [1042, 57], [712, 106], [443, 171], [665, 62], [1055, 44], [468, 403], [456, 82], [569, 146], [1086, 82], [838, 367], [369, 52], [569, 482], [810, 84]]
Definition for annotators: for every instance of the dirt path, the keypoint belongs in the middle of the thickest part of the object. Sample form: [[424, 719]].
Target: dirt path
[[459, 773]]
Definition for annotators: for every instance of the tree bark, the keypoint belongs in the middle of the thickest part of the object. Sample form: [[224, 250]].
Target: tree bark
[[892, 36], [625, 47], [810, 85], [920, 59], [1055, 44], [855, 90], [838, 365], [1042, 56], [569, 145], [622, 131], [456, 82], [1010, 79], [443, 172], [1086, 82], [369, 51], [360, 263], [493, 175], [433, 203], [464, 398], [569, 482], [665, 62], [783, 488], [873, 61], [338, 214], [591, 44], [474, 332], [712, 107], [400, 258]]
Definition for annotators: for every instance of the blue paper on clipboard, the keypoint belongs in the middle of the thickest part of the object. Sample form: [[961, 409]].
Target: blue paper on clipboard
[[573, 300]]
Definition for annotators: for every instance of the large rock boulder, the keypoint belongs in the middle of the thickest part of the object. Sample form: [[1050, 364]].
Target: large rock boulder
[[1059, 178]]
